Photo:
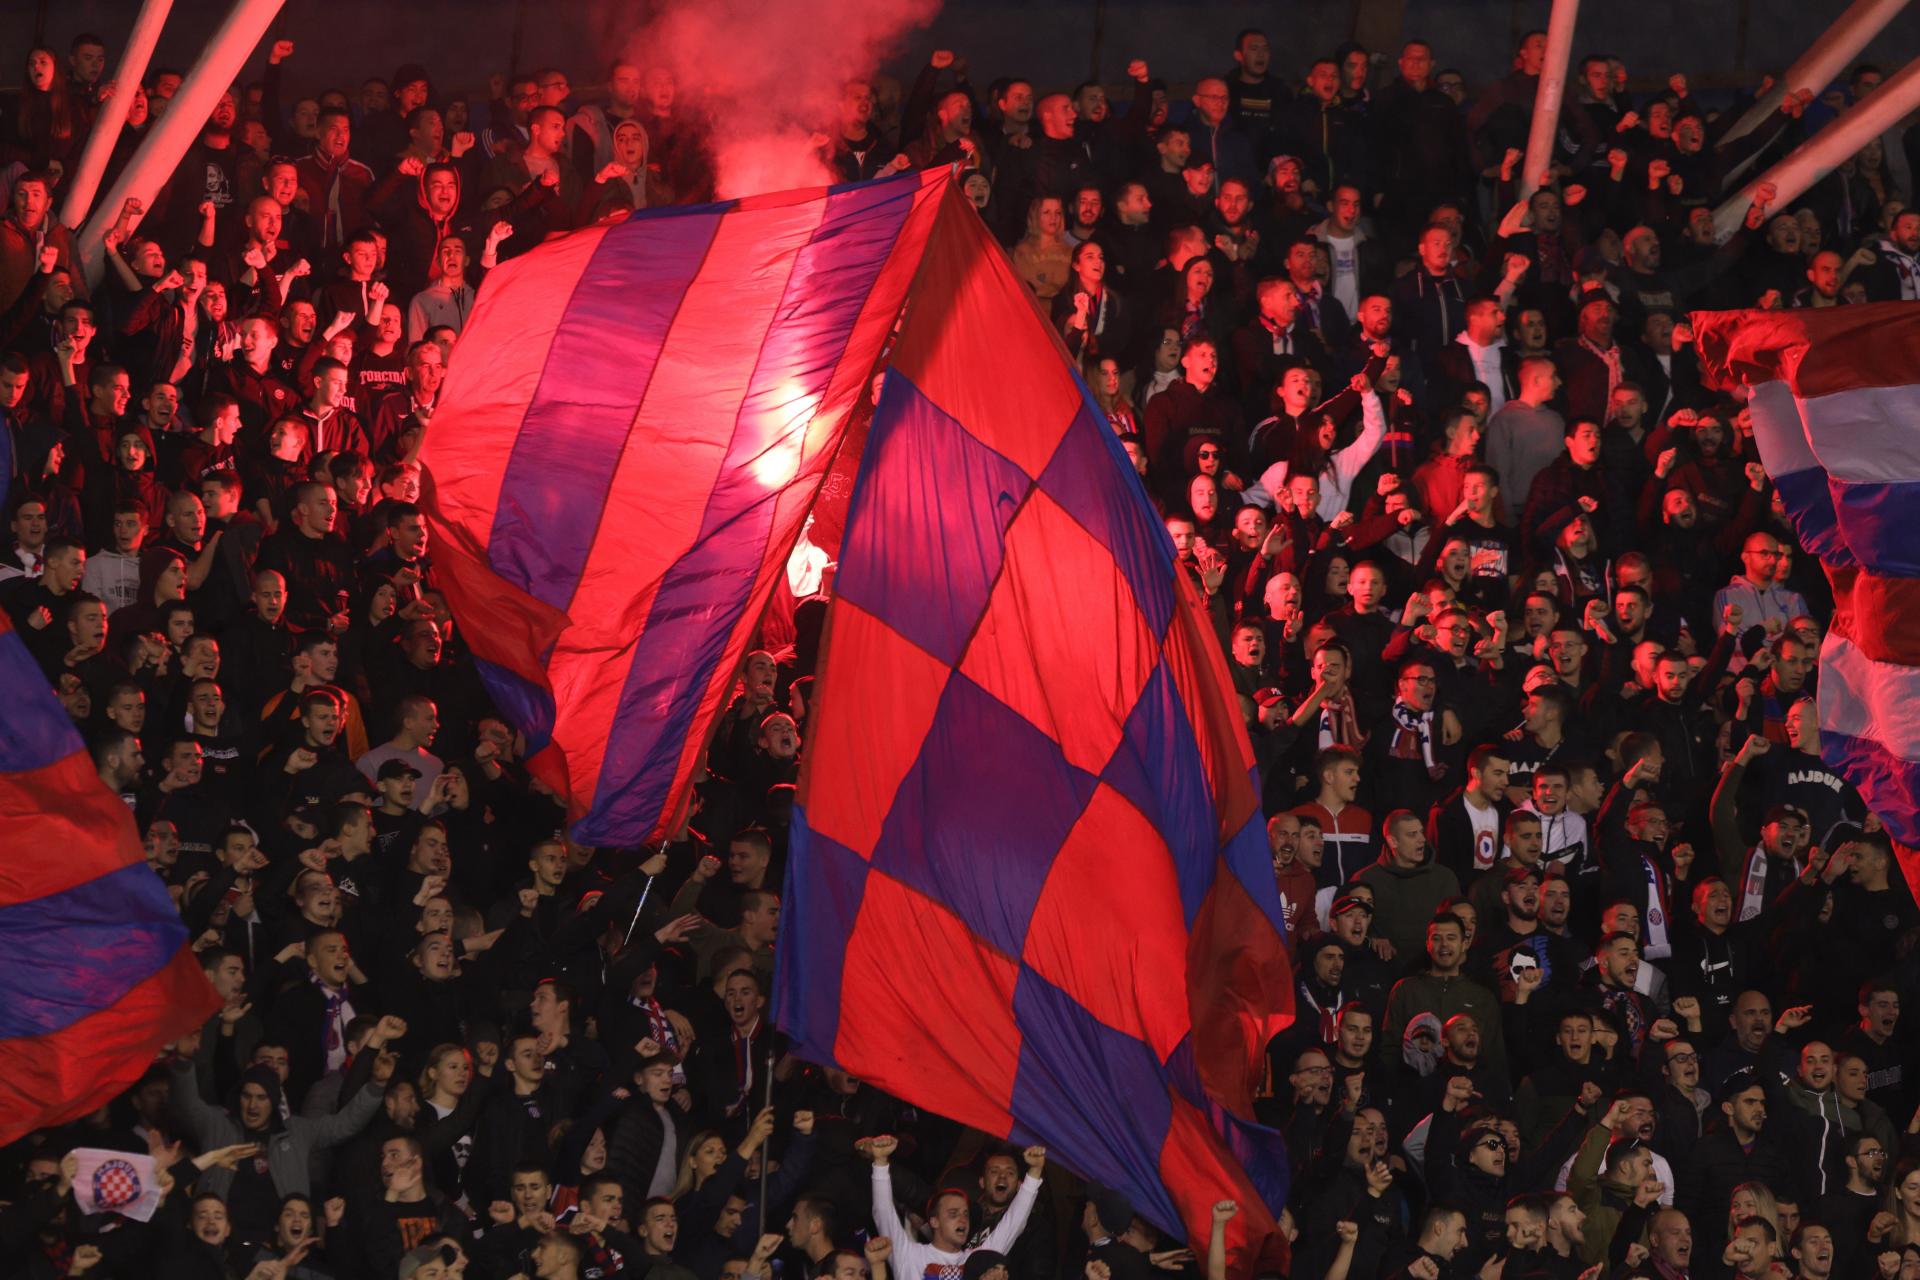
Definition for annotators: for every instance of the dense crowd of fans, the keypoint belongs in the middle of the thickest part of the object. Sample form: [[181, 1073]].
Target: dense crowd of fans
[[1600, 968]]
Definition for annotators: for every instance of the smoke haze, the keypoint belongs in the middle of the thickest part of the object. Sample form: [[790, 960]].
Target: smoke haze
[[769, 75]]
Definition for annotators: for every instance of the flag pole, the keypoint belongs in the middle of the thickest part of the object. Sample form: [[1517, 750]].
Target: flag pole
[[1822, 61], [1826, 150], [766, 1148], [84, 182], [1547, 98]]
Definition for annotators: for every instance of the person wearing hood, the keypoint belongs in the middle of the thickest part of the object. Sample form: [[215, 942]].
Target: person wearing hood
[[163, 579], [419, 204], [1319, 997], [626, 180], [1408, 886], [253, 1190]]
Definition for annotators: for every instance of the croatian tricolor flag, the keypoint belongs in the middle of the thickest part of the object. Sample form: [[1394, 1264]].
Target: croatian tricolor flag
[[1835, 394]]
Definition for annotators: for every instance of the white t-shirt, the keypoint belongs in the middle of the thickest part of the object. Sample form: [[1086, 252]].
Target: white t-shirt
[[1345, 254], [1486, 835]]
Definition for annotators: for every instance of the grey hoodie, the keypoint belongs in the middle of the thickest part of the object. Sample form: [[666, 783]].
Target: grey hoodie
[[290, 1142]]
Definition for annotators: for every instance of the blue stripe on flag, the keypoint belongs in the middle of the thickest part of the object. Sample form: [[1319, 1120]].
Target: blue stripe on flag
[[596, 374], [35, 731], [703, 595], [1809, 504], [1876, 523], [109, 935], [1889, 785]]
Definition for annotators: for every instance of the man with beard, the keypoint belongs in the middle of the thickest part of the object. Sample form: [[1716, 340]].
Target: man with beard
[[1031, 1256], [1848, 1209]]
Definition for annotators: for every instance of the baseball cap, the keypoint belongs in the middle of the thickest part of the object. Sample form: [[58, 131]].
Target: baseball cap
[[1351, 902], [396, 769], [414, 1259]]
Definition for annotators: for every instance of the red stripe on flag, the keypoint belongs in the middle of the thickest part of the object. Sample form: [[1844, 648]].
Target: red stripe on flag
[[1876, 613], [67, 813], [910, 963], [1026, 366], [825, 437], [703, 370], [1817, 352], [51, 1079], [1198, 1173]]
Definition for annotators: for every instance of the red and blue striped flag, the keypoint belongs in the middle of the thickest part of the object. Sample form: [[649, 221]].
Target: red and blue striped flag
[[1835, 394], [622, 459], [1029, 886], [98, 974]]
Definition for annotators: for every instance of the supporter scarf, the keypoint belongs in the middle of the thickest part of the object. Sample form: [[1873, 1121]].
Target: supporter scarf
[[1907, 269], [1609, 356], [1282, 338], [1657, 914], [742, 1068], [334, 1040], [1413, 738], [1339, 725], [1194, 322], [1325, 1008], [1753, 883], [1310, 301], [1629, 1012]]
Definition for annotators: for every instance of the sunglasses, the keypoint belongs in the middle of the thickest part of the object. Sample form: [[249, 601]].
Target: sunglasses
[[1492, 1144]]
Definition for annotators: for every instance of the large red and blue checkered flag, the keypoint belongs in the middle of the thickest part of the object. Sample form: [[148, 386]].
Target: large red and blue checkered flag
[[98, 974], [1029, 887], [1835, 394], [622, 457]]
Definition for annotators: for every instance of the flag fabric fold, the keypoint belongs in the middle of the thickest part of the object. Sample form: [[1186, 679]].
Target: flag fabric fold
[[98, 973], [615, 488], [1029, 886], [1835, 398]]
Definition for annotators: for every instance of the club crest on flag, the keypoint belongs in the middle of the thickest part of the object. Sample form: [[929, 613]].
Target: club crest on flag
[[116, 1184]]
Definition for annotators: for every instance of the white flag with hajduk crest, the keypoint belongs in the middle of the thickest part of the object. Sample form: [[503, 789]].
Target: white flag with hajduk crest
[[116, 1182]]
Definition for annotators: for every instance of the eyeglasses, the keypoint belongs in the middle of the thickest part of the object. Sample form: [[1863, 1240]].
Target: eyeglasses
[[1683, 1057]]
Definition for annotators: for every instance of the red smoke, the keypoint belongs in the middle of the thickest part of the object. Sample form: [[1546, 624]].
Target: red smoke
[[769, 74]]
